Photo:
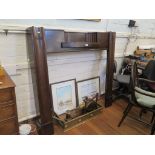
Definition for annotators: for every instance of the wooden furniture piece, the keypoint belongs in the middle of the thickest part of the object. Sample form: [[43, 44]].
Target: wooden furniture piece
[[140, 97], [41, 41], [8, 110], [145, 55]]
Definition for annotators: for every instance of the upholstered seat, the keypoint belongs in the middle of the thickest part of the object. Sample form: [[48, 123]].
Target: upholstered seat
[[143, 99], [125, 79]]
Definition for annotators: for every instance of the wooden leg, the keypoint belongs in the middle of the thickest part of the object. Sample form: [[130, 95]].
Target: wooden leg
[[152, 118], [141, 113], [125, 113], [153, 128]]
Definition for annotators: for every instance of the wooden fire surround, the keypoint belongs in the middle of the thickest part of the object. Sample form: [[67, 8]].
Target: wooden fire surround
[[41, 41]]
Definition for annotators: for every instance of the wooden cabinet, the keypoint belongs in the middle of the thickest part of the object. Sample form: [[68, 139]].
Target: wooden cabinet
[[8, 109]]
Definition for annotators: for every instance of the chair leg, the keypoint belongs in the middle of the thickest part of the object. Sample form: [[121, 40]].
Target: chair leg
[[152, 118], [125, 113], [153, 128], [141, 113]]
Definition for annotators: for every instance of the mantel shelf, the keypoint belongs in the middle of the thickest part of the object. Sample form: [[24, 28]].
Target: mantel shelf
[[88, 45]]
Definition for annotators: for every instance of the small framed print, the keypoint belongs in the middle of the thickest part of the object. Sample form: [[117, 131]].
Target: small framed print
[[64, 96], [89, 87]]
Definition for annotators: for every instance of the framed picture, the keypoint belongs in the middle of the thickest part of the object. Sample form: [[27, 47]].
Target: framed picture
[[63, 96], [88, 87]]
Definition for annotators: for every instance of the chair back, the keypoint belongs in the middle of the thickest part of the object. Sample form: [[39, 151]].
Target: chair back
[[134, 75], [133, 80], [149, 73], [140, 96]]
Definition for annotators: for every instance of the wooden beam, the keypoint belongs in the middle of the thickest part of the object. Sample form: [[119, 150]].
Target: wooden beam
[[109, 69], [44, 96]]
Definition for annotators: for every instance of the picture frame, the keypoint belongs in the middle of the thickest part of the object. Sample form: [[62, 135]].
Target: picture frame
[[88, 87], [64, 96]]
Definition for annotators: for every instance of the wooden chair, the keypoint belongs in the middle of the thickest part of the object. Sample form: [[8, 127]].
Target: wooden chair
[[149, 73], [140, 97]]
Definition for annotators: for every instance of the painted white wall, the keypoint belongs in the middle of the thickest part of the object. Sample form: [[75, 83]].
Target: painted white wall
[[63, 66]]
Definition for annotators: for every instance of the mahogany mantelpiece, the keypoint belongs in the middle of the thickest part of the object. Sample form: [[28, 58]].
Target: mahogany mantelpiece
[[41, 41]]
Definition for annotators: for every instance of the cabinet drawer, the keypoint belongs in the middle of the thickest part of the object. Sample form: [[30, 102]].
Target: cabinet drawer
[[9, 127], [7, 111], [6, 95]]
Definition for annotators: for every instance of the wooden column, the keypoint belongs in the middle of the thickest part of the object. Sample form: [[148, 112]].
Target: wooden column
[[44, 97], [109, 69]]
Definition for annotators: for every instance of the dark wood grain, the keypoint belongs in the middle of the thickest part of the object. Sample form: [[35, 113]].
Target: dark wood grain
[[44, 96], [109, 69]]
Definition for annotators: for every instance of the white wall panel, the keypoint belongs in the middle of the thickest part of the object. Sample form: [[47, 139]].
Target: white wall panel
[[118, 25], [136, 42]]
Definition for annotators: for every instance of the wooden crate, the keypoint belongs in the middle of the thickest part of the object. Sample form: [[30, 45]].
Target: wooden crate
[[143, 52], [66, 125]]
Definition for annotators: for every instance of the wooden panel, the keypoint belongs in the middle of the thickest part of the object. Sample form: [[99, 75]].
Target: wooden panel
[[9, 127], [91, 37], [43, 90], [57, 40], [5, 96], [109, 69], [53, 40], [75, 37], [103, 38], [7, 111]]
